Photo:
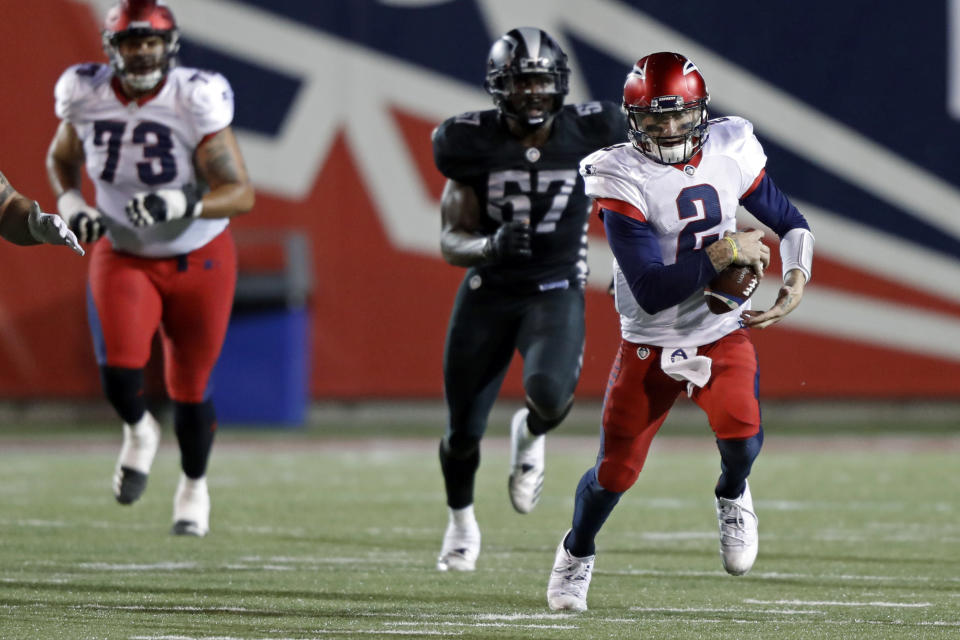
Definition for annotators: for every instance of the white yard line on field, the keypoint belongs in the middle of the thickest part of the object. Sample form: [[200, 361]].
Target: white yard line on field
[[774, 575], [837, 603], [791, 612], [345, 632], [171, 608], [504, 625], [156, 566]]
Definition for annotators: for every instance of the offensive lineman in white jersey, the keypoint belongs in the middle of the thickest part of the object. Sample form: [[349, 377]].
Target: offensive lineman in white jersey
[[157, 144], [668, 201]]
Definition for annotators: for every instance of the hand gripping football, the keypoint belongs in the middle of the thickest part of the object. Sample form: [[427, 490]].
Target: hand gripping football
[[731, 288]]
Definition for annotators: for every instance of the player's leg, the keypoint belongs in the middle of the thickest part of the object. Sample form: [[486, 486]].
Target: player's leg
[[198, 297], [730, 401], [550, 340], [638, 397], [123, 308], [477, 353]]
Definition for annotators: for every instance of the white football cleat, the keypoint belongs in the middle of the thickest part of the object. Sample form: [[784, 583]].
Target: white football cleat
[[739, 540], [191, 507], [461, 546], [569, 580], [140, 442], [526, 464]]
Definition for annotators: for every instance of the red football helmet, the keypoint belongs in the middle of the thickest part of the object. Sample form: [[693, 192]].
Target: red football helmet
[[140, 18], [665, 99]]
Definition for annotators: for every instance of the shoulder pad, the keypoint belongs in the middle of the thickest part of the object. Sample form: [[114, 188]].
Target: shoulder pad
[[733, 137], [614, 172], [730, 129], [206, 90], [207, 96], [75, 84], [602, 120], [456, 140]]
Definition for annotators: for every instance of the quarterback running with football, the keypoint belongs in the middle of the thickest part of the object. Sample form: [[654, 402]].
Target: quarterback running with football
[[668, 201], [23, 223], [515, 215], [158, 147]]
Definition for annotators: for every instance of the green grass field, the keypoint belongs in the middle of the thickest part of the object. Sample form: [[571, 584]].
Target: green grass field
[[317, 537]]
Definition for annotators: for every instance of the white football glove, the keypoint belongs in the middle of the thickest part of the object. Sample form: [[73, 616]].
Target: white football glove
[[153, 207], [82, 219], [51, 229]]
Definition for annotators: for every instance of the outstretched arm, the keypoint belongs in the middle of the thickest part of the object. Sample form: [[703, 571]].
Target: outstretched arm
[[14, 209], [22, 222]]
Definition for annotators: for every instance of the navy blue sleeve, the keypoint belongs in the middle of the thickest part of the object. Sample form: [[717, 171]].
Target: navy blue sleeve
[[655, 286], [770, 206]]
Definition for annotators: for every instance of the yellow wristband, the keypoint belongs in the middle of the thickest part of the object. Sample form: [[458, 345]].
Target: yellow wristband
[[733, 245]]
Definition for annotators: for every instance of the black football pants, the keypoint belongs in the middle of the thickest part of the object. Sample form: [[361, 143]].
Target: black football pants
[[486, 327]]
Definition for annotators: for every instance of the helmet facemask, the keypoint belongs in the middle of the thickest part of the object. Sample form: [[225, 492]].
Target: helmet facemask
[[528, 77], [531, 98], [141, 71], [669, 131]]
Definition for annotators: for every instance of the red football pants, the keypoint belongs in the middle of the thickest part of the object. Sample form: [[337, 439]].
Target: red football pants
[[187, 297], [639, 397]]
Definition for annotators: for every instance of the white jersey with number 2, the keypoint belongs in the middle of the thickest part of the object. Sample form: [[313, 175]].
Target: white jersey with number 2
[[132, 147], [688, 207]]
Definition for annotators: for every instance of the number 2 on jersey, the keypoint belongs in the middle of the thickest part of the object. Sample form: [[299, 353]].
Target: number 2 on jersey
[[157, 141], [699, 205]]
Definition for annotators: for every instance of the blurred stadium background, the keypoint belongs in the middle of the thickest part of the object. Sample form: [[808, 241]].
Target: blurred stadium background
[[343, 287], [342, 309]]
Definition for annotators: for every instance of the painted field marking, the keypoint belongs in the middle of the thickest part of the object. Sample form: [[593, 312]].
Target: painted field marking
[[157, 566], [159, 608], [504, 625], [774, 575], [837, 603], [794, 612]]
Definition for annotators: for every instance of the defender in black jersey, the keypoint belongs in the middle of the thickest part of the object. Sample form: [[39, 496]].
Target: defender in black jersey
[[515, 214]]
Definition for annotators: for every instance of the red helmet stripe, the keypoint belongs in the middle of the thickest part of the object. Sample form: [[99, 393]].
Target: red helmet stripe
[[139, 14]]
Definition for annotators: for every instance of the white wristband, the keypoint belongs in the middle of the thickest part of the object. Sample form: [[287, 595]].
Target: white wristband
[[70, 203], [796, 251]]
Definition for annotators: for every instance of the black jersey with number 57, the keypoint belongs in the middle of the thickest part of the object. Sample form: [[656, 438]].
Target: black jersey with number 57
[[537, 184]]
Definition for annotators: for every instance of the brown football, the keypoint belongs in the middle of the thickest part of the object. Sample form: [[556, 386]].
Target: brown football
[[731, 288]]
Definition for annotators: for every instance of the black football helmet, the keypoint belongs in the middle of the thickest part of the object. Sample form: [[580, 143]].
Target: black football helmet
[[528, 76]]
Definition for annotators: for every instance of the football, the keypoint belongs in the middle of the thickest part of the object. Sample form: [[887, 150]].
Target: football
[[731, 288]]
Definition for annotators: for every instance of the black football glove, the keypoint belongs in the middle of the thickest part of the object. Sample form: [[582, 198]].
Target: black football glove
[[84, 221], [510, 242], [87, 225], [154, 207]]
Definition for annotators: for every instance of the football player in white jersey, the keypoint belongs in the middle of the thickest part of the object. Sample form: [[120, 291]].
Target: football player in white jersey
[[168, 173], [22, 222], [668, 201]]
